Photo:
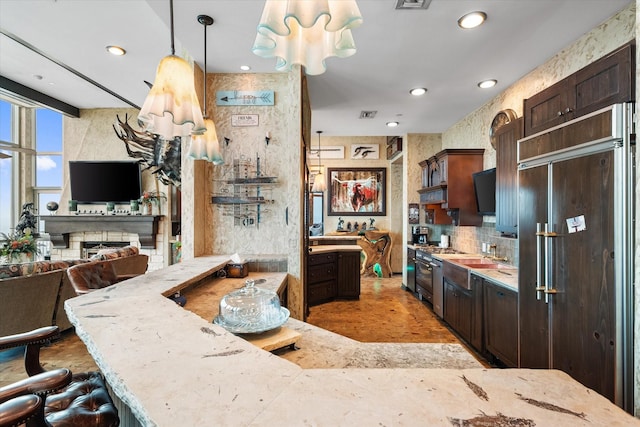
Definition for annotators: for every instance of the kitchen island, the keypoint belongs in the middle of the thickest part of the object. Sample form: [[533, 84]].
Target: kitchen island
[[170, 367]]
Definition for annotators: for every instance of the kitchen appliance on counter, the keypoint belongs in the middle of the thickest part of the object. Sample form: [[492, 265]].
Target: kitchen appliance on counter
[[576, 210], [420, 235]]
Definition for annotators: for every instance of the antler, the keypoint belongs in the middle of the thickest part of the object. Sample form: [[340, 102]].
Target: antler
[[153, 151]]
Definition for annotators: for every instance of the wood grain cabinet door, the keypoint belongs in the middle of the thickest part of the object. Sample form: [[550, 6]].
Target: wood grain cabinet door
[[349, 275], [609, 80], [501, 323], [507, 177]]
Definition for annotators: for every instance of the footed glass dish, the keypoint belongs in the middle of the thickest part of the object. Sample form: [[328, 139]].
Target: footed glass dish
[[251, 310]]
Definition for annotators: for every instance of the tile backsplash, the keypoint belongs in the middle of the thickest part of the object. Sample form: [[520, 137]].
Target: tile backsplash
[[470, 240]]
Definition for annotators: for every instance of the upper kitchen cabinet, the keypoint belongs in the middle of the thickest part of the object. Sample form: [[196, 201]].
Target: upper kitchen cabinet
[[604, 82], [506, 141], [447, 187]]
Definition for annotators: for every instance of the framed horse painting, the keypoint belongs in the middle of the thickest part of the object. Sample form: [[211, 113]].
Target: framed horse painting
[[359, 191]]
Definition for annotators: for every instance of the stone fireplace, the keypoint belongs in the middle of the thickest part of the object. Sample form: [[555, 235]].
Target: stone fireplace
[[74, 236]]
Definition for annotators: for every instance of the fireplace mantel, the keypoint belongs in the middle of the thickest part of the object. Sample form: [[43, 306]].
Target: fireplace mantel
[[60, 226]]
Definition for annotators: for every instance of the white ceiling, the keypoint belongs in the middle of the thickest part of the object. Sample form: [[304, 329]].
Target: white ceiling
[[397, 50]]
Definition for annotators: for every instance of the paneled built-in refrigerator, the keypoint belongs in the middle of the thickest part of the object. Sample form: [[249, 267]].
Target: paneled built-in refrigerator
[[575, 219]]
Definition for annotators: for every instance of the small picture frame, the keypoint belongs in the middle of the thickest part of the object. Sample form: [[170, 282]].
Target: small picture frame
[[414, 213], [365, 151]]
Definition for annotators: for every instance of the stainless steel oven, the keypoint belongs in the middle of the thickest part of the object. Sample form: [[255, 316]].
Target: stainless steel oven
[[424, 276]]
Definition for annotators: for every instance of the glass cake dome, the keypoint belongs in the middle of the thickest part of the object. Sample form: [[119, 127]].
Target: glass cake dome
[[251, 310]]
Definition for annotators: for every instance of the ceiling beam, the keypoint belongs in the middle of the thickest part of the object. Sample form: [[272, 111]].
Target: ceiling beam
[[29, 95]]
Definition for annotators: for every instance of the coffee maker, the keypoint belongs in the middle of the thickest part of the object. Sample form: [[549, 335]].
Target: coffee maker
[[420, 235]]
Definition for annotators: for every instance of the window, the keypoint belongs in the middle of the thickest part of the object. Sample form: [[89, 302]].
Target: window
[[8, 168], [48, 172]]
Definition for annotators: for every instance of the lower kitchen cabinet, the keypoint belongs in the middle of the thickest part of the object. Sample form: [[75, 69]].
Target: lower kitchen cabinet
[[477, 330], [332, 275], [348, 275], [458, 309], [500, 322]]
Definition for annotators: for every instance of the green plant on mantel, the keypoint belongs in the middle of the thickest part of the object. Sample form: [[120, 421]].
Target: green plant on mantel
[[152, 198], [15, 244]]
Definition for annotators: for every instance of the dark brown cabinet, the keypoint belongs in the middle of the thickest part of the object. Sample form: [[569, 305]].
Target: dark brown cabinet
[[507, 177], [447, 187], [606, 81], [332, 275], [348, 275], [476, 283], [500, 322], [458, 309], [322, 273]]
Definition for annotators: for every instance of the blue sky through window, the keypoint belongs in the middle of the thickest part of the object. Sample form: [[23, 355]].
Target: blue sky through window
[[5, 121], [48, 139]]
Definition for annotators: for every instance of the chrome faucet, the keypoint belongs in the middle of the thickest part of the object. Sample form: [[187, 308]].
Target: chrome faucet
[[494, 257]]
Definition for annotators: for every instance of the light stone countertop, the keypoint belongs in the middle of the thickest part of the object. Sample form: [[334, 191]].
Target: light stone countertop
[[506, 276], [318, 249], [172, 367], [332, 237]]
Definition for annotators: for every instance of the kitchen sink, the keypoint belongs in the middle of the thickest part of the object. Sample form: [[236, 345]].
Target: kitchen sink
[[478, 263], [482, 265]]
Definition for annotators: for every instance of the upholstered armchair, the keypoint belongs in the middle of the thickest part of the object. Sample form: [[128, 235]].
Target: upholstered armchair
[[94, 275], [78, 400]]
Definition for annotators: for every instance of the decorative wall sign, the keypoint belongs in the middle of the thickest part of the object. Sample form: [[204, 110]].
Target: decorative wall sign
[[365, 151], [327, 152], [359, 191], [239, 120], [245, 97]]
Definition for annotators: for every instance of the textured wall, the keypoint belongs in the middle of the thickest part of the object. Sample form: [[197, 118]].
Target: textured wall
[[278, 232]]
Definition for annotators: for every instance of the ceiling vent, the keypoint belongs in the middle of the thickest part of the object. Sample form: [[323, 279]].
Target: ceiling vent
[[368, 114], [412, 4]]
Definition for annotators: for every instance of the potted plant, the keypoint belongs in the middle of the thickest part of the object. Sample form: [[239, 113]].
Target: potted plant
[[150, 199], [17, 247]]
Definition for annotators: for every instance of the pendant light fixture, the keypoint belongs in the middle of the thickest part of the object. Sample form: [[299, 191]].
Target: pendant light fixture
[[171, 108], [306, 32], [319, 183], [206, 146]]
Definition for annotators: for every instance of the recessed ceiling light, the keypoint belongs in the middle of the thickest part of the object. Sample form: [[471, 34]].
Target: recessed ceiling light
[[418, 91], [245, 67], [392, 124], [116, 50], [486, 84], [472, 20]]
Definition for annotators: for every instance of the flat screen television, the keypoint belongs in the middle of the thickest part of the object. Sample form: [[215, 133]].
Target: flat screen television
[[104, 181], [484, 184]]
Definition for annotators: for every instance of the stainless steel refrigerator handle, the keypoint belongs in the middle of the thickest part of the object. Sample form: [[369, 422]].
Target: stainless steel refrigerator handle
[[547, 281], [548, 262], [540, 284]]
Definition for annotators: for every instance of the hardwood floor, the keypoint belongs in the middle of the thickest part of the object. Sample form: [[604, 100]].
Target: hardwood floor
[[384, 313], [67, 352]]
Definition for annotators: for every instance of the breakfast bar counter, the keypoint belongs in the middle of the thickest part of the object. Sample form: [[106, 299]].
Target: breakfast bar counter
[[167, 366]]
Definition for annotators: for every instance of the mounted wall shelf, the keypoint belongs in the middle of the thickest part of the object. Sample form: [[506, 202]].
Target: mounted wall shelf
[[242, 196]]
